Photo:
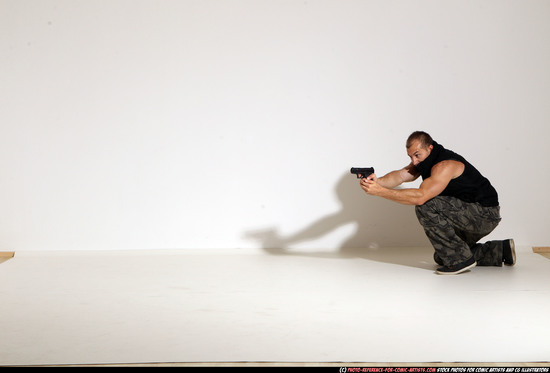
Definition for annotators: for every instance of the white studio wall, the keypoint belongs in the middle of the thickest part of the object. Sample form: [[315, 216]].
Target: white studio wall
[[141, 124]]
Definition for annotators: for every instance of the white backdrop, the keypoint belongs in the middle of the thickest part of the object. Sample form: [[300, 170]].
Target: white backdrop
[[144, 124]]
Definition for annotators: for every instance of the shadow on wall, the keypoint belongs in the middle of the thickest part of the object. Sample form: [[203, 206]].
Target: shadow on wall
[[386, 231]]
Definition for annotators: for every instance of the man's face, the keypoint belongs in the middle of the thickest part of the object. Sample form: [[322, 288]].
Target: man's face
[[417, 153]]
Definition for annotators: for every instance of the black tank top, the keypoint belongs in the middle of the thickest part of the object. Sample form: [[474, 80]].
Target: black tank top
[[471, 186]]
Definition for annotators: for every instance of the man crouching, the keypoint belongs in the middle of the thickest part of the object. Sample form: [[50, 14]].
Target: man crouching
[[455, 204]]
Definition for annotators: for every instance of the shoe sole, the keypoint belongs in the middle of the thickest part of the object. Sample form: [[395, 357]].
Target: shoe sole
[[513, 249], [458, 271]]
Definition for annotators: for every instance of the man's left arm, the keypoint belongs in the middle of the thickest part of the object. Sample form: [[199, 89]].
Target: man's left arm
[[442, 173]]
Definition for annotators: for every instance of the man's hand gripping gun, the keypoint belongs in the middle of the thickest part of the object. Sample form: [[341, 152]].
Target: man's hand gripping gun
[[362, 172]]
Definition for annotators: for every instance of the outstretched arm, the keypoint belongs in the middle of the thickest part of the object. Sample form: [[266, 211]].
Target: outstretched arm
[[396, 178], [442, 173]]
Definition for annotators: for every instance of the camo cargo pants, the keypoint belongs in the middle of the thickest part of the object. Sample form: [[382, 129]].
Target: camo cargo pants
[[454, 227]]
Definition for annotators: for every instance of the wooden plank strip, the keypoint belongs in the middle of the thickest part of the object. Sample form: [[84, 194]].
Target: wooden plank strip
[[541, 249], [7, 254]]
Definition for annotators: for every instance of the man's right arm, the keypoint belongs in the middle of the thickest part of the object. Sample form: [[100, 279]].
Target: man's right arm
[[395, 178]]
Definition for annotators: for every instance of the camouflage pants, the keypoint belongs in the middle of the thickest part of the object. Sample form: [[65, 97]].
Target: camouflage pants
[[454, 227]]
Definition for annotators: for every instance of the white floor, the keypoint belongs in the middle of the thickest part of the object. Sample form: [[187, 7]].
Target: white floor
[[384, 305]]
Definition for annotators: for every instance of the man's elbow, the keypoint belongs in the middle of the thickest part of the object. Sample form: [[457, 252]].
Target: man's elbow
[[420, 200]]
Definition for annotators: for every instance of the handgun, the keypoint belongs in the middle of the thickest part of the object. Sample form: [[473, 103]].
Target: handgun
[[362, 172]]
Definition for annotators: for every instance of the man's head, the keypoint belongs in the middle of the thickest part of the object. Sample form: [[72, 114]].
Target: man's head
[[419, 146]]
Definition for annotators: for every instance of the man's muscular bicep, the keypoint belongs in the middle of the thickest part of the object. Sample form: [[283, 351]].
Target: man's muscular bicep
[[441, 175], [432, 187]]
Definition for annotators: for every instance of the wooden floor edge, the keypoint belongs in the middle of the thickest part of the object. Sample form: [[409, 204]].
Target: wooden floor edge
[[306, 364], [7, 254]]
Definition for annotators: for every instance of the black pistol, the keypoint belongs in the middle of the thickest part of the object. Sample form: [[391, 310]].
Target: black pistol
[[362, 172]]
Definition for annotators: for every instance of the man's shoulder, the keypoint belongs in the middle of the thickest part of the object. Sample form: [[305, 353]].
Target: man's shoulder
[[448, 167]]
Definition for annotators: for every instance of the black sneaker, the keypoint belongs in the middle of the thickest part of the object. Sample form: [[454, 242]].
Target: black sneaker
[[457, 268], [509, 252]]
